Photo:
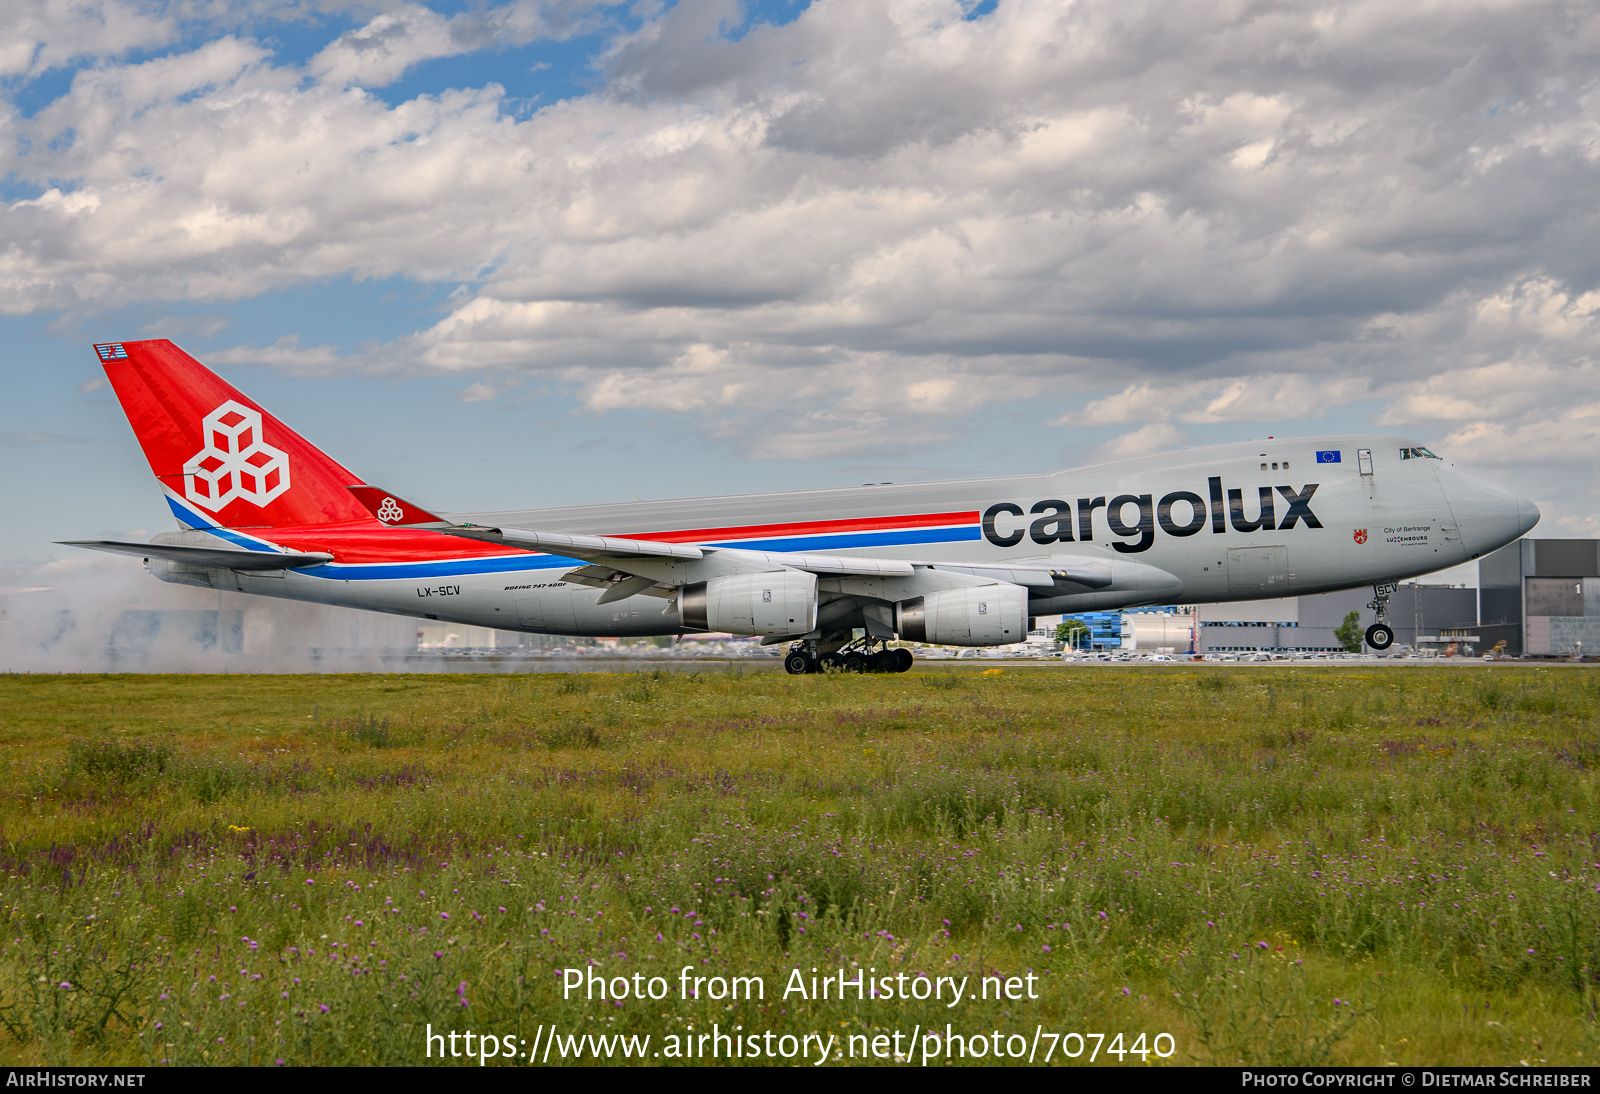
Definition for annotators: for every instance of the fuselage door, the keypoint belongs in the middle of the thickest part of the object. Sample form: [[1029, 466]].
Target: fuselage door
[[551, 611], [1258, 571]]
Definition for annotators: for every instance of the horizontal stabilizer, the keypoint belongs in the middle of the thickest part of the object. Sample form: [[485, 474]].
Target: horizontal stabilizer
[[219, 558]]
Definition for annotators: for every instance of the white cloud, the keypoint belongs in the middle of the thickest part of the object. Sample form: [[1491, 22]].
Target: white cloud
[[286, 354], [476, 393], [1259, 398], [1144, 441], [878, 217], [37, 35], [379, 52]]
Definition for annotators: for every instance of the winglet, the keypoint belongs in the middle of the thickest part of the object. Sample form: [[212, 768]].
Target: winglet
[[395, 512]]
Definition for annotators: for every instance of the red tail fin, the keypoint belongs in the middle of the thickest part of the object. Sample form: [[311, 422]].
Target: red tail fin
[[222, 459]]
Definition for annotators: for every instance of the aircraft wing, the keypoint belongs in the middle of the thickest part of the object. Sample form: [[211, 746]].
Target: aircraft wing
[[628, 567], [588, 548], [219, 558], [1089, 573], [624, 567]]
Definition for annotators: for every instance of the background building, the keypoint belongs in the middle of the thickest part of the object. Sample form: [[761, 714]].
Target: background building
[[1308, 623], [1542, 597]]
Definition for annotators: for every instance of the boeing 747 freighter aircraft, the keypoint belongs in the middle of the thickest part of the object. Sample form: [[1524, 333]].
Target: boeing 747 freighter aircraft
[[956, 563]]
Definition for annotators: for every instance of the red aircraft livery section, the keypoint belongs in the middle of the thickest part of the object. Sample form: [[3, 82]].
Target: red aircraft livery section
[[230, 467], [214, 448]]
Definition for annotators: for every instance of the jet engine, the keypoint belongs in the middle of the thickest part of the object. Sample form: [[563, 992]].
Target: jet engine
[[775, 602], [988, 615]]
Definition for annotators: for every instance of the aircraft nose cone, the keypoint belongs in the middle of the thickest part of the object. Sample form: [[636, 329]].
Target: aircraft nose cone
[[1490, 516], [1527, 515]]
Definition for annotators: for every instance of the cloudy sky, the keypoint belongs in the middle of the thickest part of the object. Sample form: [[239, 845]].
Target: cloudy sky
[[526, 253]]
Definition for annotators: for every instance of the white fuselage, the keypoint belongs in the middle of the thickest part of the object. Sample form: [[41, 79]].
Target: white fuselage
[[1175, 528]]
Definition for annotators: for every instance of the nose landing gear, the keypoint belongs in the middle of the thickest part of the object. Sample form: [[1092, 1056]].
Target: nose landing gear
[[1380, 636]]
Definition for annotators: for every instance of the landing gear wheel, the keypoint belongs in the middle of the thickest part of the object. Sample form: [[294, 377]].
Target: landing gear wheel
[[1379, 636], [854, 661], [797, 663], [884, 661], [903, 660]]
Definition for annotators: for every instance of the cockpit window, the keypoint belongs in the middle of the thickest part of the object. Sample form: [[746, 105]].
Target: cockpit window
[[1417, 454]]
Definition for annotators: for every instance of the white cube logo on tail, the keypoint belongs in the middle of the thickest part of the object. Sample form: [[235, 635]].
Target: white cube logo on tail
[[389, 512], [236, 462]]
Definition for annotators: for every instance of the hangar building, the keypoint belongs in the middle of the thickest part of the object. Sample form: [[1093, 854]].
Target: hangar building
[[1542, 597]]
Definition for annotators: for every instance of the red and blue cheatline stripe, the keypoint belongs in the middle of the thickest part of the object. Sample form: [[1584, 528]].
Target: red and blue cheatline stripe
[[794, 536]]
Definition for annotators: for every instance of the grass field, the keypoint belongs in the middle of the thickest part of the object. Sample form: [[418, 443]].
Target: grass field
[[1271, 866]]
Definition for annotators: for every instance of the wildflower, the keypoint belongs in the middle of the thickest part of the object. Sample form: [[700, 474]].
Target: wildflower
[[323, 1007], [64, 984], [1263, 945], [1045, 948], [1125, 991]]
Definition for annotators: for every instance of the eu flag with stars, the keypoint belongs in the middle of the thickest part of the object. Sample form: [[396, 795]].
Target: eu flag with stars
[[1327, 457]]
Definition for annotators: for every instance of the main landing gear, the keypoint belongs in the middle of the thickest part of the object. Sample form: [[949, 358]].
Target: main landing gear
[[857, 656], [1380, 636]]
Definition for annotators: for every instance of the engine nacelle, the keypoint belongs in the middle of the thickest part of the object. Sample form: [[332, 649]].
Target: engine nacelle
[[776, 602], [988, 615], [179, 573]]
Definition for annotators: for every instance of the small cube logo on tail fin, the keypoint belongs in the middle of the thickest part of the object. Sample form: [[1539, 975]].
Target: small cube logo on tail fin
[[393, 511], [235, 462]]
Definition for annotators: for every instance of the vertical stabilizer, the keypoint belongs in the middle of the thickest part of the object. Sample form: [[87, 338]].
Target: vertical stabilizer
[[221, 458]]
